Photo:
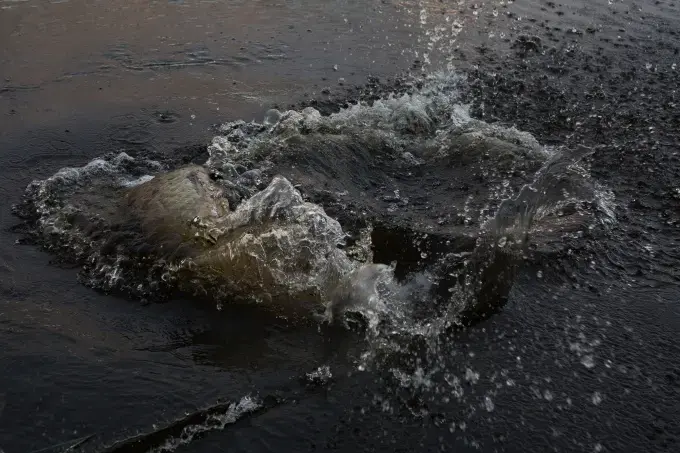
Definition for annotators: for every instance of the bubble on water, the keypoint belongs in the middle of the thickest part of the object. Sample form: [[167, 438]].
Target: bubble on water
[[272, 117]]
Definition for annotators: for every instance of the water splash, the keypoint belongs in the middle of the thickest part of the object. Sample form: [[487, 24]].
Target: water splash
[[405, 218], [305, 210], [216, 421]]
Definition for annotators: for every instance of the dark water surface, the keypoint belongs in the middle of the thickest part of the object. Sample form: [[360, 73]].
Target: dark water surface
[[584, 357]]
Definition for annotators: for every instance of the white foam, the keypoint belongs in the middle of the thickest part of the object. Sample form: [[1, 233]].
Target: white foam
[[136, 182], [214, 422]]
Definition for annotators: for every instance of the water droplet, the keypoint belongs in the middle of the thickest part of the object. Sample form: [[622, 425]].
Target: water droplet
[[272, 117], [588, 361], [596, 398], [471, 376], [488, 404]]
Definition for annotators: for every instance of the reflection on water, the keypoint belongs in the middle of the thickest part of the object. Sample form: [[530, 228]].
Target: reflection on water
[[202, 56]]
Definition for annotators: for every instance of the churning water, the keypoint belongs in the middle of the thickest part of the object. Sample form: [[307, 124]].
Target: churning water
[[240, 226], [255, 222]]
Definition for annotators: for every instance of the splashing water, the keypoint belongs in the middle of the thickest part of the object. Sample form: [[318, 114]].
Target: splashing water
[[406, 210], [405, 216], [214, 421]]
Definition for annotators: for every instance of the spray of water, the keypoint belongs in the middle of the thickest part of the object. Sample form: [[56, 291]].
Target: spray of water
[[243, 226]]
